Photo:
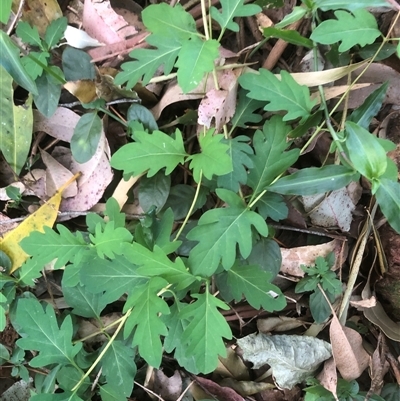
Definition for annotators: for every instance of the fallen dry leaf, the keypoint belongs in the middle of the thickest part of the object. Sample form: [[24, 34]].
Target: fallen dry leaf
[[350, 356], [328, 376]]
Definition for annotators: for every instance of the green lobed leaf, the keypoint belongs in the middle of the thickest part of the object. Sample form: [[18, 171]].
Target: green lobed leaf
[[195, 59], [282, 94], [252, 282], [169, 22], [47, 246], [11, 62], [149, 60], [213, 159], [16, 125], [219, 230], [5, 10], [239, 151], [69, 376], [147, 306], [388, 197], [114, 213], [206, 328], [326, 5], [154, 191], [118, 365], [273, 206], [289, 36], [29, 34], [156, 263], [270, 159], [357, 28], [151, 152], [49, 92], [109, 240], [173, 341], [32, 67], [55, 31], [245, 109], [86, 137], [109, 393], [313, 180], [266, 254], [84, 302], [114, 277], [230, 10], [319, 307], [365, 151], [137, 112], [40, 332]]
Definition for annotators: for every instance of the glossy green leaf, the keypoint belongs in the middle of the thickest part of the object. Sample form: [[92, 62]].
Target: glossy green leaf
[[113, 277], [118, 365], [313, 180], [28, 34], [270, 159], [5, 10], [281, 94], [16, 125], [289, 36], [149, 60], [365, 151], [86, 137], [219, 231], [254, 284], [151, 152], [357, 28], [239, 151], [137, 112], [55, 31], [154, 191], [157, 264], [230, 10], [326, 5], [205, 330], [169, 22], [11, 62], [49, 92], [40, 331], [195, 59], [144, 318], [213, 159], [45, 247], [77, 65], [388, 197]]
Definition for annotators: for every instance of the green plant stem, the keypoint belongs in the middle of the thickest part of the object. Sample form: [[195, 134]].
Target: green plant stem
[[98, 359], [204, 16], [196, 195], [116, 118]]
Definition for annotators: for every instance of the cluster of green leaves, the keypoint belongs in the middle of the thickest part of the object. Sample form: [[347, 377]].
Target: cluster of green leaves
[[322, 276], [346, 391]]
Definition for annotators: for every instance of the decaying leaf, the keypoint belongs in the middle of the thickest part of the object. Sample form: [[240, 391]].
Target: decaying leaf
[[350, 357], [292, 358]]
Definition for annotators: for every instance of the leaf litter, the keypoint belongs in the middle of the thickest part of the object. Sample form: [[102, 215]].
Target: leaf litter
[[331, 216]]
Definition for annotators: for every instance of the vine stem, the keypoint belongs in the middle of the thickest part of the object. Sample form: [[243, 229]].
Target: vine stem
[[196, 195], [121, 324]]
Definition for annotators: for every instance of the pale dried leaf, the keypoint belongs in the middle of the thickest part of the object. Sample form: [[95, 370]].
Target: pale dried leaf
[[293, 359], [232, 366], [328, 376], [281, 323], [222, 393], [246, 388], [350, 357], [169, 388]]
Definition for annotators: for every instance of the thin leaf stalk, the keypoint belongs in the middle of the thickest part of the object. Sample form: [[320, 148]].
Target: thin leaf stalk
[[196, 195]]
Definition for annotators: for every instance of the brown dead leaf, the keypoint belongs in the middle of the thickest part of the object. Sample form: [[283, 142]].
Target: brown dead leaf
[[350, 356], [379, 366], [84, 90], [210, 387], [246, 388], [328, 376], [279, 324], [306, 255], [232, 366], [168, 388]]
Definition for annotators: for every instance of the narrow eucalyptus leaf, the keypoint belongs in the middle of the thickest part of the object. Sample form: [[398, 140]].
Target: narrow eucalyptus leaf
[[388, 197], [289, 36], [313, 180]]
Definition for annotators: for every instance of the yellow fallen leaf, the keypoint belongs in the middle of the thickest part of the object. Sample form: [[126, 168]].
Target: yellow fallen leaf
[[45, 216]]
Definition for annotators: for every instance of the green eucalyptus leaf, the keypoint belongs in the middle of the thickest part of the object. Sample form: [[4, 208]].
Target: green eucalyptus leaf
[[297, 14], [86, 137], [289, 36], [388, 196], [11, 62]]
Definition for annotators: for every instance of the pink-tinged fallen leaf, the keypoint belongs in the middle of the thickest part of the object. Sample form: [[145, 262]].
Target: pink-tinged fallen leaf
[[35, 182], [350, 356], [168, 388], [222, 393], [305, 255], [56, 175], [361, 304], [379, 366], [219, 104], [328, 376], [278, 324]]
